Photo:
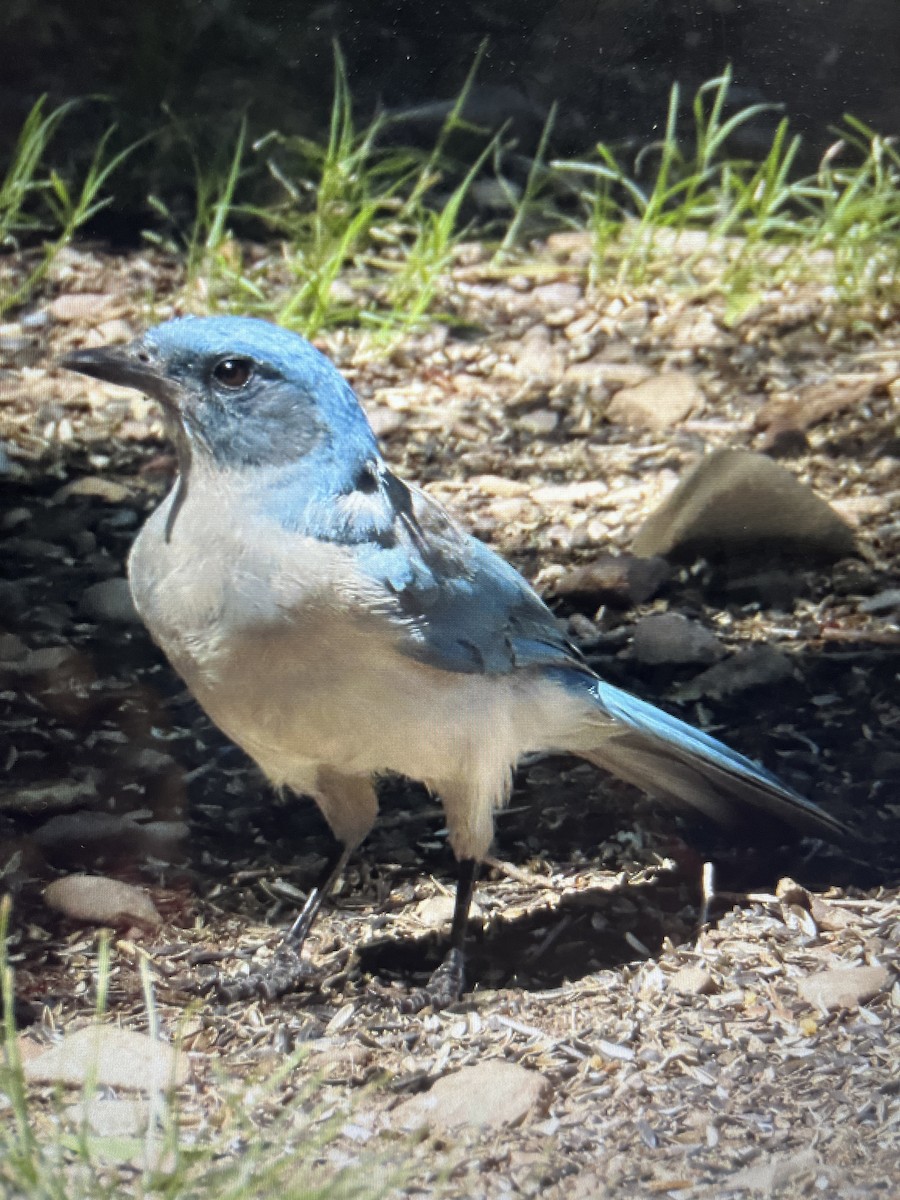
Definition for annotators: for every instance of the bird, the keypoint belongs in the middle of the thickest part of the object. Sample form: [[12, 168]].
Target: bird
[[339, 625]]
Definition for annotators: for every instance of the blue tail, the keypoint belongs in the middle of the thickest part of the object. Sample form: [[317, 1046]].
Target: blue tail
[[668, 758]]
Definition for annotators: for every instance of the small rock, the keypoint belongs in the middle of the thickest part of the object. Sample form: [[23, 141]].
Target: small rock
[[111, 1118], [539, 422], [551, 297], [692, 981], [499, 485], [619, 580], [771, 587], [384, 421], [435, 912], [490, 1095], [538, 361], [14, 518], [844, 987], [48, 797], [110, 332], [735, 502], [570, 243], [103, 901], [111, 1057], [92, 485], [884, 602], [671, 638], [757, 666], [12, 648], [597, 374], [79, 306], [657, 403], [9, 468], [85, 837], [165, 841], [829, 916], [109, 600], [48, 659], [772, 1174]]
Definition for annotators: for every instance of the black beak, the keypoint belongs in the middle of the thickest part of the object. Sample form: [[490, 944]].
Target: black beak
[[128, 366]]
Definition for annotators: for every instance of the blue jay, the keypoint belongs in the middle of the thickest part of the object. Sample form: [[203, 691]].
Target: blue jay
[[337, 623]]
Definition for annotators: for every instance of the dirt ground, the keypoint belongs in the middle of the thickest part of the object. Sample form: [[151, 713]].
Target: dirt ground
[[721, 1081]]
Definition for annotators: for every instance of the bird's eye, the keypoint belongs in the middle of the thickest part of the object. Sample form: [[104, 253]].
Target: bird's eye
[[233, 373]]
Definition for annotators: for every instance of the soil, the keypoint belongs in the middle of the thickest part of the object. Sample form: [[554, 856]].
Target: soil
[[595, 899]]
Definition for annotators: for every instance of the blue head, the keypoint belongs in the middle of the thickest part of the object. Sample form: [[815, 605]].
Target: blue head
[[238, 392]]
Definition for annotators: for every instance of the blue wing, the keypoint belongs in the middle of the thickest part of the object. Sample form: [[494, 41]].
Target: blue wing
[[458, 605]]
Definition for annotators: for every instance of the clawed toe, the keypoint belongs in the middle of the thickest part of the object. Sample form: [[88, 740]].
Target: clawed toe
[[444, 988], [287, 973]]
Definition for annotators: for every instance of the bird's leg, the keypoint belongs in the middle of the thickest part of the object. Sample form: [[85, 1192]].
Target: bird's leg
[[447, 983], [288, 968]]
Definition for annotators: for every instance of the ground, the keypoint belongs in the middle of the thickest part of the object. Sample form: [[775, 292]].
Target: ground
[[732, 1076]]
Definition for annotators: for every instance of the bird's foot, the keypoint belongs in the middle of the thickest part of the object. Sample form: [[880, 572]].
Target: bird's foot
[[287, 972], [444, 988]]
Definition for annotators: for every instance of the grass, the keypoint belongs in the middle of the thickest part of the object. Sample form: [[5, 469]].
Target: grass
[[764, 222], [37, 198], [254, 1138], [357, 229]]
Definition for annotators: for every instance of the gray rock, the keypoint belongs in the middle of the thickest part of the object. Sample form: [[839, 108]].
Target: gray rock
[[85, 839], [12, 648], [48, 797], [78, 306], [884, 602], [735, 503], [658, 403], [102, 901], [490, 1095], [111, 1118], [671, 638], [844, 987], [96, 486], [111, 1057], [757, 666], [692, 981], [110, 600], [621, 580]]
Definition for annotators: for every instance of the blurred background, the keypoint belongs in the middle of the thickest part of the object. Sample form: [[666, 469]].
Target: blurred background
[[161, 68]]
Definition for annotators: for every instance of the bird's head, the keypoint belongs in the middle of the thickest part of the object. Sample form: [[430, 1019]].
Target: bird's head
[[236, 391]]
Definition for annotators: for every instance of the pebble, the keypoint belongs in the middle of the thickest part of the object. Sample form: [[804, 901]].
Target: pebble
[[102, 901], [884, 602], [657, 403], [111, 1118], [12, 648], [490, 1095], [540, 422], [110, 600], [844, 987], [757, 666], [538, 361], [671, 638], [596, 374], [92, 485], [551, 297], [692, 981], [40, 798], [110, 1057], [735, 502], [78, 306], [621, 580]]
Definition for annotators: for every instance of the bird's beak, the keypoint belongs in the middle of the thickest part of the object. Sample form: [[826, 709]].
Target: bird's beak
[[127, 366]]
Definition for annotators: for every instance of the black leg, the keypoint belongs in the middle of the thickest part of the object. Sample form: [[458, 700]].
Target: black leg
[[448, 982], [288, 969]]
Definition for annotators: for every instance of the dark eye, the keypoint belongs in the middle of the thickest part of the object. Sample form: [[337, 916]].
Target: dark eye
[[233, 373]]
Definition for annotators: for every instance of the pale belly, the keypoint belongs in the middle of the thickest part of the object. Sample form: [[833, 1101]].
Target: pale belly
[[295, 668]]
